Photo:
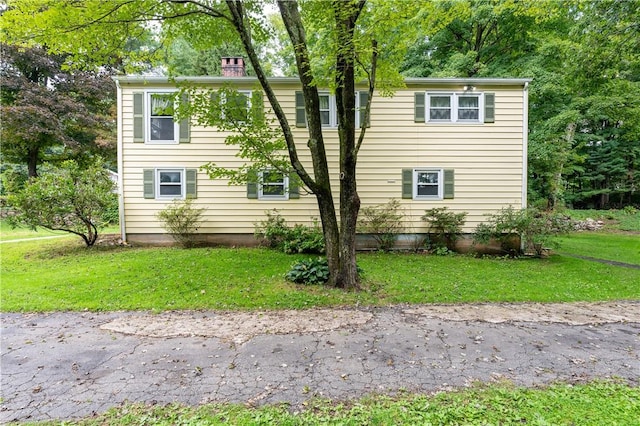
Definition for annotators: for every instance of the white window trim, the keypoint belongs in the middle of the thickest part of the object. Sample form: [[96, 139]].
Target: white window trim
[[454, 96], [183, 184], [147, 120], [333, 110], [262, 196], [440, 172]]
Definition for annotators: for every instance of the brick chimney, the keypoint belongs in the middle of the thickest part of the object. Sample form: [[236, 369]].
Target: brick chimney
[[233, 67]]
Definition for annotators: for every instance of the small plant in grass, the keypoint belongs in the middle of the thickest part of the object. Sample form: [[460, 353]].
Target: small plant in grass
[[298, 239], [181, 219], [444, 227], [309, 271], [383, 222], [536, 229]]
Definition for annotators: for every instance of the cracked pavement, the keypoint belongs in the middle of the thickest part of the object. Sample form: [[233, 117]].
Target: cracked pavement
[[57, 366]]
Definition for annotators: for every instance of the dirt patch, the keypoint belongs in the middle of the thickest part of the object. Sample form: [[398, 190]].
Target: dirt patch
[[579, 313], [238, 327]]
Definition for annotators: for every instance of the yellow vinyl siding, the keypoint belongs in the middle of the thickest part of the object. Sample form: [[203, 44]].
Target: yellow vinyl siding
[[487, 159]]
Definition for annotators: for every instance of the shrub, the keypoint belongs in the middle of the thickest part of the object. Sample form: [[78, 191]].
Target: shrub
[[70, 198], [444, 227], [536, 228], [309, 271], [299, 239], [383, 222], [111, 213], [181, 219], [273, 230]]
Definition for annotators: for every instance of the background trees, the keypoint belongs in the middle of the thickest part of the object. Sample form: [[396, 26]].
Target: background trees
[[50, 114], [584, 58]]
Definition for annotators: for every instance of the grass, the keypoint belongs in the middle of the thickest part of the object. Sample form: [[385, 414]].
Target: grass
[[596, 403], [7, 233], [61, 274], [617, 247]]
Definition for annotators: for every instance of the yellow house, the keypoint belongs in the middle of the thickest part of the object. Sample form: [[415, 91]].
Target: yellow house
[[459, 143]]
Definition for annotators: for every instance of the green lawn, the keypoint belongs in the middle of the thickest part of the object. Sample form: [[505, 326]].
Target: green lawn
[[601, 245], [61, 274], [7, 233], [597, 403]]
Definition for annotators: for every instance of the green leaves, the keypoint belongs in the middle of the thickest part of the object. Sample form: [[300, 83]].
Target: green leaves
[[71, 198]]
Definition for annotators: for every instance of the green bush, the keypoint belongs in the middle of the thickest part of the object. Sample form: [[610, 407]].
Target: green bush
[[309, 271], [299, 239], [69, 198], [444, 227], [181, 219], [383, 222], [111, 213], [536, 229]]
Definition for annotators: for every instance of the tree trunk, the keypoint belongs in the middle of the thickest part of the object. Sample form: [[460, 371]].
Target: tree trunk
[[32, 162]]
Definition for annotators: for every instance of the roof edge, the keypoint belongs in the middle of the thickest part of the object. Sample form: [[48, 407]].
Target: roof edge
[[154, 79]]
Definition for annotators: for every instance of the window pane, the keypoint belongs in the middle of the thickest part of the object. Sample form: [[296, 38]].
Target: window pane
[[273, 189], [170, 190], [324, 118], [468, 114], [468, 102], [440, 114], [237, 106], [162, 104], [162, 129], [469, 108], [324, 102], [427, 177], [272, 177], [440, 101], [430, 190], [170, 177]]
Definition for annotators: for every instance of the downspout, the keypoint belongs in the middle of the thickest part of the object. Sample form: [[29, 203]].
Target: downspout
[[123, 227], [525, 142], [525, 145]]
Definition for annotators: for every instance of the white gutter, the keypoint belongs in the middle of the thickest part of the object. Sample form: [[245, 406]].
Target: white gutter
[[123, 227], [158, 79], [525, 142]]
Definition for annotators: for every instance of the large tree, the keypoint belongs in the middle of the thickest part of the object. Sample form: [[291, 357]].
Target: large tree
[[335, 43], [50, 114]]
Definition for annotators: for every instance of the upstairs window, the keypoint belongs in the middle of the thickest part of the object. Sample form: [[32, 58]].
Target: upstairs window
[[454, 107], [161, 124], [238, 105], [451, 107], [154, 118], [329, 111]]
